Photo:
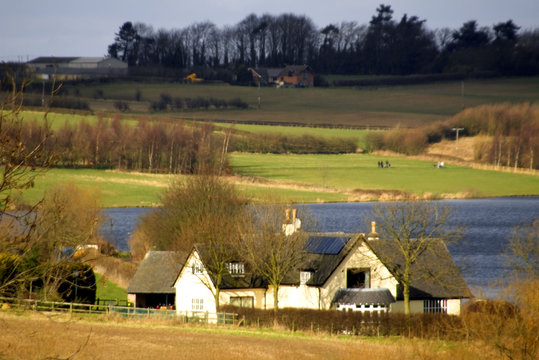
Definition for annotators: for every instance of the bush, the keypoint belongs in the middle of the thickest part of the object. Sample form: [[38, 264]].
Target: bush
[[237, 102], [374, 141], [121, 105], [70, 103], [98, 94], [178, 103], [426, 326], [80, 285], [8, 273], [320, 81]]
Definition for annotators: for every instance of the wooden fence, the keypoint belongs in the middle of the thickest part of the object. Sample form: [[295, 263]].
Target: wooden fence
[[126, 311]]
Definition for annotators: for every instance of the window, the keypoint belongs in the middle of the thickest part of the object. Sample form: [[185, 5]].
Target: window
[[358, 278], [305, 276], [435, 306], [197, 304], [235, 268], [197, 268], [242, 301]]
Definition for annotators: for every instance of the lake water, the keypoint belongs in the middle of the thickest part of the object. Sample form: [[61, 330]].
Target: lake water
[[488, 227]]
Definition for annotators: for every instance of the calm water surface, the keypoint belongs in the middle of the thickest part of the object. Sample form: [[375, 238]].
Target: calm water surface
[[488, 227]]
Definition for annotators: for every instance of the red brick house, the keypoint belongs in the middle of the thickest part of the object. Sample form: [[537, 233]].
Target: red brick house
[[291, 75]]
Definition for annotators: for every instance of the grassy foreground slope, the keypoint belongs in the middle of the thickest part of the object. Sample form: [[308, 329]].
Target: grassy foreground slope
[[37, 336], [307, 178]]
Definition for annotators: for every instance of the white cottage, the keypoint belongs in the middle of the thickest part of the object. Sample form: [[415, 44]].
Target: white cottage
[[340, 271]]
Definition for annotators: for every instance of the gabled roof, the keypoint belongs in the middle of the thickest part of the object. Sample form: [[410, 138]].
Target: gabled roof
[[324, 252], [295, 70], [246, 280], [434, 274], [157, 272]]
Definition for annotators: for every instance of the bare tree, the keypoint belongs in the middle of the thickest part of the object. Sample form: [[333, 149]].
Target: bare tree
[[414, 227], [204, 212], [19, 163], [272, 245], [31, 241], [68, 218]]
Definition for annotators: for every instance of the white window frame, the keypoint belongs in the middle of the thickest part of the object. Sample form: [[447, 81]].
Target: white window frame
[[197, 304], [235, 268], [304, 277], [242, 301], [438, 306], [197, 268]]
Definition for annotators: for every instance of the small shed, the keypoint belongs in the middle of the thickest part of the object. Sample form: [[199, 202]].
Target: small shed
[[153, 283]]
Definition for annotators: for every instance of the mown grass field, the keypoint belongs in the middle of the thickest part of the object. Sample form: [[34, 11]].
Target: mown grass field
[[410, 105], [361, 172], [306, 179]]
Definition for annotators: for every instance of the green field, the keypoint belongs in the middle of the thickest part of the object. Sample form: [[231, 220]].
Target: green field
[[108, 290], [305, 179], [301, 130], [410, 105], [356, 171], [115, 189]]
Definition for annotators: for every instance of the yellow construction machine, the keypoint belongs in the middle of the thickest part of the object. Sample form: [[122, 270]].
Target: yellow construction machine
[[192, 78]]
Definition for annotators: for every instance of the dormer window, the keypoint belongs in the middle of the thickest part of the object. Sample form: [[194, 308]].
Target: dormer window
[[235, 268], [304, 277], [358, 278]]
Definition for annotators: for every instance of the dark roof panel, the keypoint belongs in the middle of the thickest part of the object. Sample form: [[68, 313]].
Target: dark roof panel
[[52, 59], [363, 296], [329, 245]]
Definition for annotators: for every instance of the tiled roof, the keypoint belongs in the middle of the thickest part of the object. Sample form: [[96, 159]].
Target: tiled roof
[[434, 274], [52, 59], [157, 272], [363, 296], [294, 70]]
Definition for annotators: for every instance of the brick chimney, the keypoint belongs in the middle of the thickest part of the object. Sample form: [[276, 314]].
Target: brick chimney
[[291, 224], [373, 235]]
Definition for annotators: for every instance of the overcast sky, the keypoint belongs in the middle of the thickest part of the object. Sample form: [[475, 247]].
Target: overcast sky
[[32, 28]]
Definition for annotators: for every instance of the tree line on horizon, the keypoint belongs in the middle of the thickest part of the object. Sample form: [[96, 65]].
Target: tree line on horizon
[[383, 46]]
